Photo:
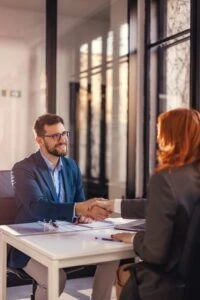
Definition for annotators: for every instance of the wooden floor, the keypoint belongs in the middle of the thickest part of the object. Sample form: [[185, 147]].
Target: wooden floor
[[75, 289]]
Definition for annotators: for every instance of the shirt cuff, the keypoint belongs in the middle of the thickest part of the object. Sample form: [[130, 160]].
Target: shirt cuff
[[132, 239], [74, 216], [117, 205]]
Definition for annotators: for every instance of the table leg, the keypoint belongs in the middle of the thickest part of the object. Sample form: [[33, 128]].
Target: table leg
[[3, 267], [53, 281]]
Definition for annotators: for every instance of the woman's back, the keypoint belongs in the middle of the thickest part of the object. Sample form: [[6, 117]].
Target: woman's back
[[171, 199]]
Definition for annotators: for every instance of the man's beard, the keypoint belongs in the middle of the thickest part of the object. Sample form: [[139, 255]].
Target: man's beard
[[55, 152]]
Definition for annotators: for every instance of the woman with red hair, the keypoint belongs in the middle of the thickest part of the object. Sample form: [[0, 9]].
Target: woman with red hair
[[173, 191]]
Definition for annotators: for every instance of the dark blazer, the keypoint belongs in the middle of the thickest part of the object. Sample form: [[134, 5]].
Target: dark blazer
[[170, 202], [133, 208], [36, 196]]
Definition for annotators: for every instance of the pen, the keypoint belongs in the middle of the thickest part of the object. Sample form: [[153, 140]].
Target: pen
[[106, 239]]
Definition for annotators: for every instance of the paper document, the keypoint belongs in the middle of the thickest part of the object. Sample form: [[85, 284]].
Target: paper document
[[99, 224], [64, 226], [45, 228], [101, 234], [107, 223], [136, 225]]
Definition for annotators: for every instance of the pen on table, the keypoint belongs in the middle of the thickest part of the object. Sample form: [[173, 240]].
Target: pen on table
[[106, 239]]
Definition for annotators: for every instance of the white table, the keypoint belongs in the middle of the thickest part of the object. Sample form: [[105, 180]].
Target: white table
[[60, 250]]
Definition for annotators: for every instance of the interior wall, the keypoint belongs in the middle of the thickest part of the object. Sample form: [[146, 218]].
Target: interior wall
[[22, 81]]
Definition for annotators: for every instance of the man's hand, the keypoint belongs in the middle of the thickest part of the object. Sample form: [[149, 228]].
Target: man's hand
[[98, 213], [106, 204], [93, 208]]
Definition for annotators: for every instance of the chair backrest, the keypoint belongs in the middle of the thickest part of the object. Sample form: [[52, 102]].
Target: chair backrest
[[7, 216], [6, 189], [189, 267], [7, 200]]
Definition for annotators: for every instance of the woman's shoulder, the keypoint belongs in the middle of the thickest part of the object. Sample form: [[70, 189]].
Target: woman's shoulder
[[186, 170]]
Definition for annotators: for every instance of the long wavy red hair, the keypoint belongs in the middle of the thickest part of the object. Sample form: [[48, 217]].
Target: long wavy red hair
[[178, 138]]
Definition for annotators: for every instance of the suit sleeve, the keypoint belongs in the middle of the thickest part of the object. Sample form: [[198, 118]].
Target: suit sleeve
[[133, 208], [153, 245], [34, 199]]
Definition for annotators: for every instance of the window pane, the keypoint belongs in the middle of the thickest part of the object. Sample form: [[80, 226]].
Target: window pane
[[169, 62], [178, 16], [84, 97], [95, 123], [171, 17], [177, 77]]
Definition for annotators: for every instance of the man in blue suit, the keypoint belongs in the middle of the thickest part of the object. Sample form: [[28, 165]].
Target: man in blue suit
[[48, 186]]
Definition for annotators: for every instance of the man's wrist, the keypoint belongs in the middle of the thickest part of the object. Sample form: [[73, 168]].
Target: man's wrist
[[77, 209], [81, 208]]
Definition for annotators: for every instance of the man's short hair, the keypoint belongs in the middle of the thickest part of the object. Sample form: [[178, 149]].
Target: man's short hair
[[46, 119]]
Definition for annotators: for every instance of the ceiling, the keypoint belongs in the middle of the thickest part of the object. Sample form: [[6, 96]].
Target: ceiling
[[25, 19], [76, 8]]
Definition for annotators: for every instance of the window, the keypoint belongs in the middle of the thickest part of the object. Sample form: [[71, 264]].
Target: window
[[168, 51], [93, 59]]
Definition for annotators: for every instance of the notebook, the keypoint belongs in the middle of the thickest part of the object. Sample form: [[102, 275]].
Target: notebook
[[136, 225]]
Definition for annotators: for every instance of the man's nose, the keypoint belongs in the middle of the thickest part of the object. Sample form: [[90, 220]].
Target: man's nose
[[63, 138]]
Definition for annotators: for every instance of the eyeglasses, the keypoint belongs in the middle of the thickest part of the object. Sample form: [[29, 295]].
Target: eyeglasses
[[57, 136]]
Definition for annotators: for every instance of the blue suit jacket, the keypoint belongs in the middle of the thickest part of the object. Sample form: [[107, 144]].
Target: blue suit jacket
[[36, 196]]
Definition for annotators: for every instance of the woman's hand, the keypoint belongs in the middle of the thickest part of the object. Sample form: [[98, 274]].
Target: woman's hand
[[123, 237], [92, 208]]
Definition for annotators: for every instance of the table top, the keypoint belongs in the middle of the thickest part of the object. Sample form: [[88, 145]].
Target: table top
[[60, 246], [57, 250], [76, 244]]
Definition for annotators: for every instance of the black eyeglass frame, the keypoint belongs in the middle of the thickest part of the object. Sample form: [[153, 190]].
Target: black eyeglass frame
[[57, 136]]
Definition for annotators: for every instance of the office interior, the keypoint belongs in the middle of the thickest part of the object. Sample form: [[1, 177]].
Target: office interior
[[108, 67]]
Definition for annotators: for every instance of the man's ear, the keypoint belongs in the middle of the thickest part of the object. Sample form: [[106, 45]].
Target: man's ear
[[39, 140]]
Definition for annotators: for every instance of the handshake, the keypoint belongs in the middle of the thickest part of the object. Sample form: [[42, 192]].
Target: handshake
[[95, 208]]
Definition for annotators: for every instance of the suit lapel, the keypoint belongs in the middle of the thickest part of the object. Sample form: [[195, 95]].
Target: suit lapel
[[67, 180], [45, 174]]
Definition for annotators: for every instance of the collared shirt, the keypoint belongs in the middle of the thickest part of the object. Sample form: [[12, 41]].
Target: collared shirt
[[56, 174], [117, 205], [117, 209]]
